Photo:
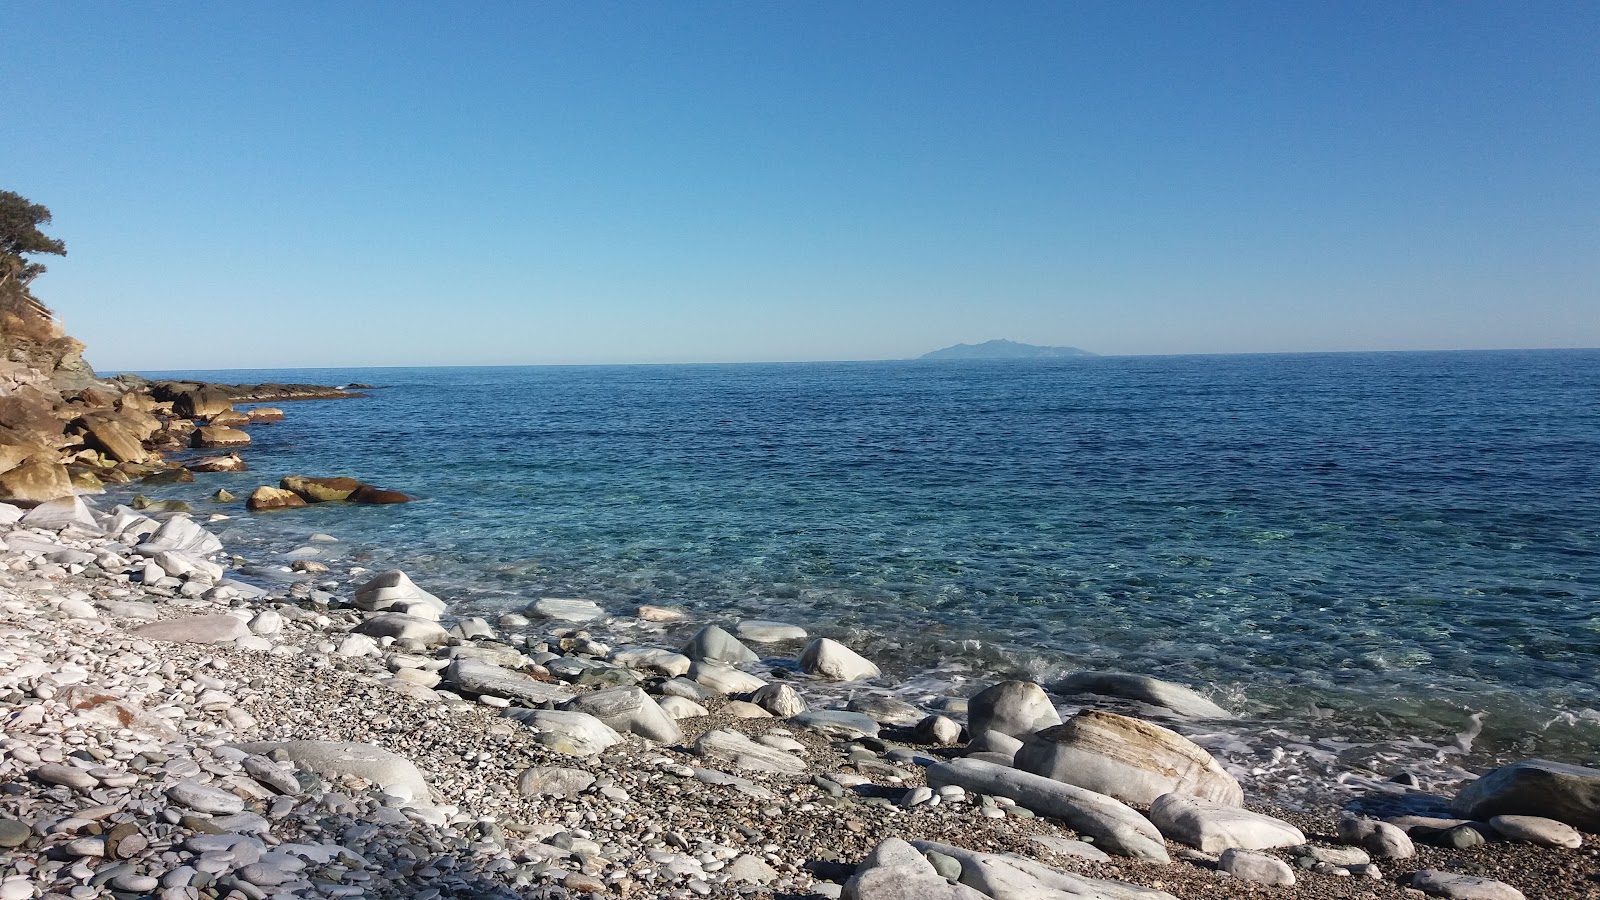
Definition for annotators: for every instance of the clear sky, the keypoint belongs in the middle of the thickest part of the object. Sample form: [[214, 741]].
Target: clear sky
[[273, 184]]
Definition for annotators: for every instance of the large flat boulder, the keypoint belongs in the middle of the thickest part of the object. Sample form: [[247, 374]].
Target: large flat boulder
[[568, 731], [1535, 787], [195, 630], [219, 436], [63, 512], [1010, 876], [628, 709], [741, 751], [335, 759], [477, 677], [108, 433], [1116, 827], [713, 644], [35, 482], [1215, 827], [402, 627], [1125, 758], [320, 490]]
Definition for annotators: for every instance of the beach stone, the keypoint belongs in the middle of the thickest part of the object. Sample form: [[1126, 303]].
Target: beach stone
[[1125, 758], [779, 699], [267, 621], [724, 679], [66, 776], [688, 690], [272, 775], [712, 644], [13, 833], [1537, 830], [77, 609], [1535, 787], [1334, 856], [336, 759], [827, 658], [741, 709], [630, 710], [179, 534], [553, 781], [937, 730], [682, 708], [1115, 827], [353, 645], [1018, 878], [59, 513], [991, 741], [1012, 708], [205, 798], [568, 732], [1259, 868], [194, 630], [267, 497], [1067, 847], [748, 869], [744, 753], [653, 659], [760, 631], [649, 613], [886, 710], [1215, 827], [1382, 840], [478, 677], [392, 587], [1450, 885], [565, 610], [403, 627], [837, 723]]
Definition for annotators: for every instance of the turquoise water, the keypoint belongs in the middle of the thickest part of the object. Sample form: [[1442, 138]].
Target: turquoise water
[[1386, 540]]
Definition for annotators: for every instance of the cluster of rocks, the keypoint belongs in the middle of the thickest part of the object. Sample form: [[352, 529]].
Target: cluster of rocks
[[174, 730], [63, 432], [299, 490]]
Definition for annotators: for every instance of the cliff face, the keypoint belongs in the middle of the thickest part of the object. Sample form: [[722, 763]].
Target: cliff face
[[30, 337]]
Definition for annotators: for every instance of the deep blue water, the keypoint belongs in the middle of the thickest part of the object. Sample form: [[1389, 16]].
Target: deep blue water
[[1400, 537]]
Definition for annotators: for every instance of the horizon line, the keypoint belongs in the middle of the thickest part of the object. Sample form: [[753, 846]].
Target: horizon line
[[904, 359]]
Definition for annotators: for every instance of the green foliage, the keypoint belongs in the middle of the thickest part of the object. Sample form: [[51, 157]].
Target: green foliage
[[20, 236]]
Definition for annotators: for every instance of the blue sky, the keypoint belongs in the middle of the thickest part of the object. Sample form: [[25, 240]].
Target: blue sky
[[503, 183]]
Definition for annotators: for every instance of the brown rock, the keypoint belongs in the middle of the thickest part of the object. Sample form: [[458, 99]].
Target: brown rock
[[201, 402], [30, 415], [33, 483], [107, 432], [179, 475], [229, 417], [220, 436], [85, 480], [266, 414], [266, 497], [369, 494], [13, 455], [230, 463], [321, 490]]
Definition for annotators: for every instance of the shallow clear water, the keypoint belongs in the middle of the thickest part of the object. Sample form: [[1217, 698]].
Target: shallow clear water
[[1369, 539]]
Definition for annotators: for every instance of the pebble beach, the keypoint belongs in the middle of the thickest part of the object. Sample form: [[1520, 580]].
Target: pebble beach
[[175, 729]]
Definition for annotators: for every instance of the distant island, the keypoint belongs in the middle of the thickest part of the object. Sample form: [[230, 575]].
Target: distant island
[[1006, 350]]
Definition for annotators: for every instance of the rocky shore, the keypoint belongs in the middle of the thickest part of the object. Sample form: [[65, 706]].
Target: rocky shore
[[180, 722], [174, 729]]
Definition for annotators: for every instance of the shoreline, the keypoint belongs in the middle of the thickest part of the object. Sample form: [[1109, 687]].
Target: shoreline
[[128, 746], [651, 809]]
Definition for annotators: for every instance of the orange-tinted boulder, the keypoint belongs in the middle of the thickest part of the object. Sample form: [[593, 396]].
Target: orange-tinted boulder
[[321, 490], [369, 494], [266, 497], [219, 436]]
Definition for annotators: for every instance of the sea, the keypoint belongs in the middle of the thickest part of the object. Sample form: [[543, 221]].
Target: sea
[[1375, 549]]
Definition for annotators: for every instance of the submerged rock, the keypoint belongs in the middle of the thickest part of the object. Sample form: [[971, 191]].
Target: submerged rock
[[1182, 700]]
